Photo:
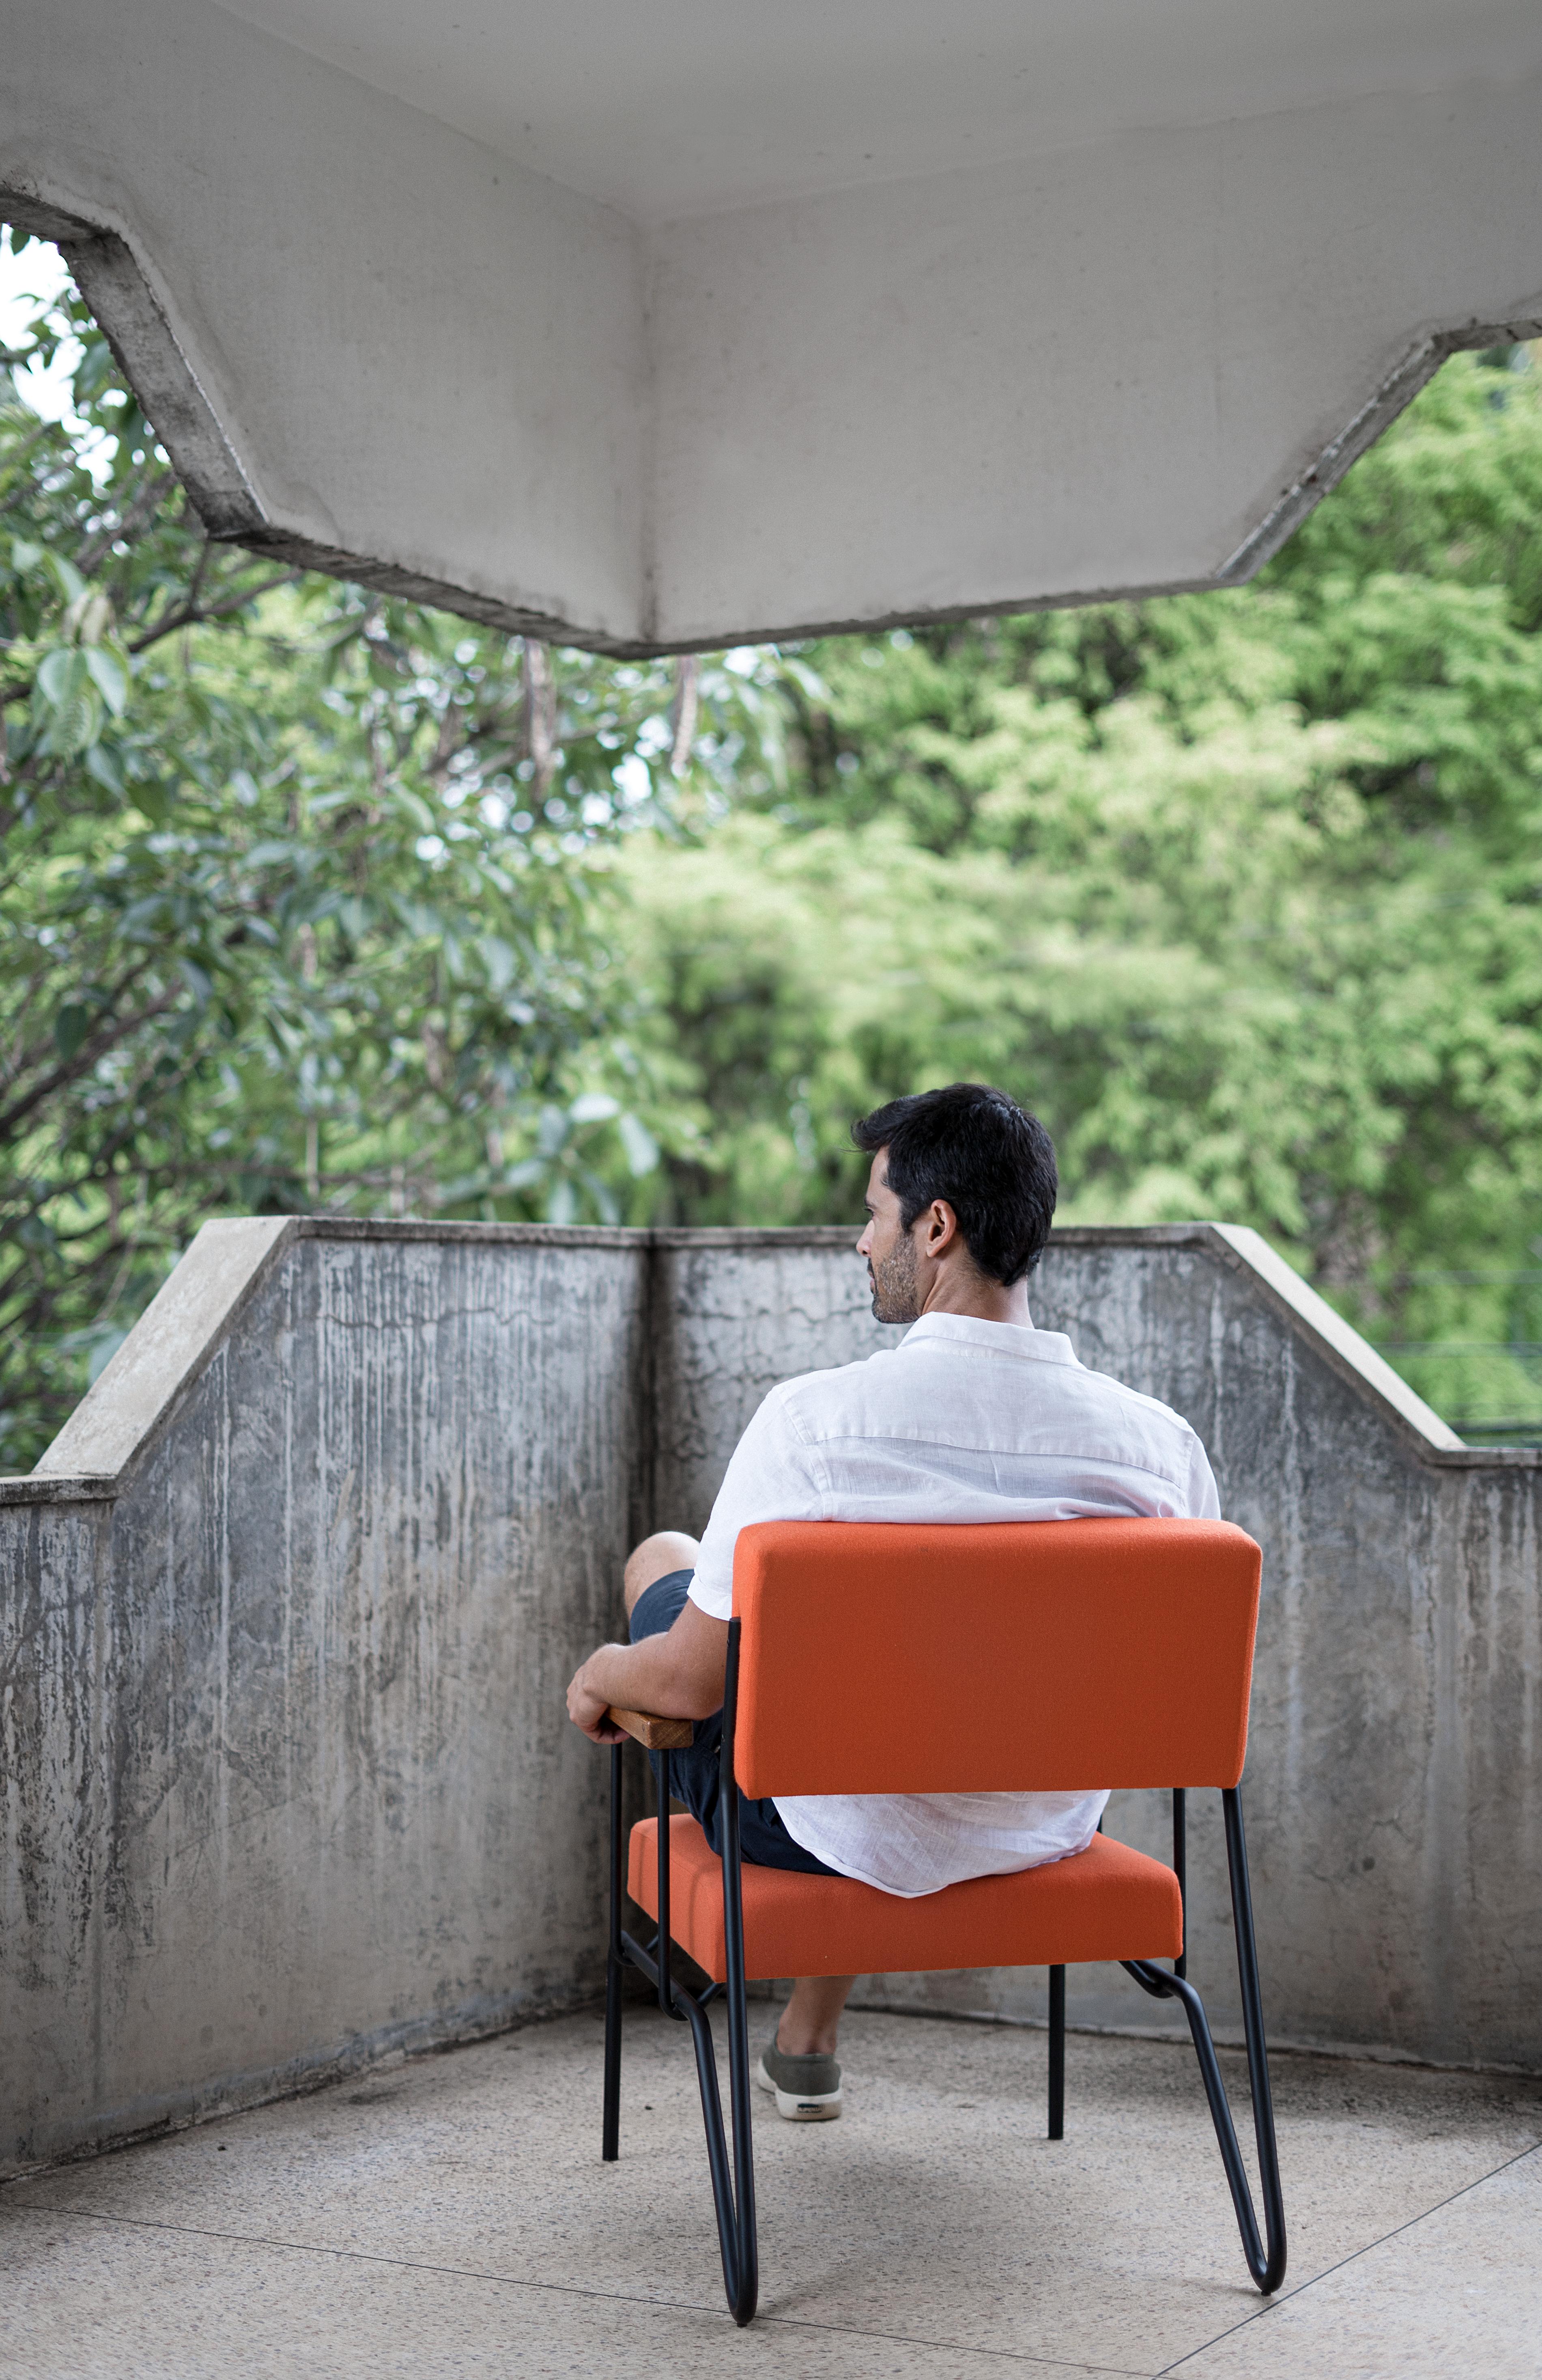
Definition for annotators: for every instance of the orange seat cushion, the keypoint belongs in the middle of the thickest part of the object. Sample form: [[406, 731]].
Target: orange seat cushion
[[1108, 1902]]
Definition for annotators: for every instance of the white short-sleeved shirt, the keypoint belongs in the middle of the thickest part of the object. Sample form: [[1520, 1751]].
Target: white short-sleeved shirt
[[963, 1421]]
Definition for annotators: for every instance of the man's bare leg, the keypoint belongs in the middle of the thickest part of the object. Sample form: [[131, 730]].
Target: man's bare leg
[[666, 1550], [812, 2017]]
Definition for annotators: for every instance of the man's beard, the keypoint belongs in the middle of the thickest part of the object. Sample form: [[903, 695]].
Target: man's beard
[[893, 1280]]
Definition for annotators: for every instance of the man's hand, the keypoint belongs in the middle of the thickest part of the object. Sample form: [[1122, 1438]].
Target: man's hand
[[679, 1675], [586, 1705]]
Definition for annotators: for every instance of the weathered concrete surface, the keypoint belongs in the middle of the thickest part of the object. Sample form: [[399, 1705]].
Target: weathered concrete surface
[[285, 1772], [285, 1775], [668, 326], [734, 1312]]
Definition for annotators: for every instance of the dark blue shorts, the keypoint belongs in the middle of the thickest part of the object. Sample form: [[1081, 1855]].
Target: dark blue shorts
[[693, 1775]]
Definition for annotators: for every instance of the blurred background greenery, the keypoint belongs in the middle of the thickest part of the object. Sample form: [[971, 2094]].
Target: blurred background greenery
[[314, 901]]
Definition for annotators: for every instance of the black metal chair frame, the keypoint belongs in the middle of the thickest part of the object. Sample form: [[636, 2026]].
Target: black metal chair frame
[[734, 2190]]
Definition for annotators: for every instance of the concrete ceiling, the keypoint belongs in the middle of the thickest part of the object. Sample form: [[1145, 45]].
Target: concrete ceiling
[[652, 324], [691, 106]]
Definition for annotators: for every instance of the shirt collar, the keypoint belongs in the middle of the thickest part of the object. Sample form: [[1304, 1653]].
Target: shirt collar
[[1002, 1338]]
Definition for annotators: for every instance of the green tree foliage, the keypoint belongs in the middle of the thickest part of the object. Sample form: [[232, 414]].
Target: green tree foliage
[[310, 899], [293, 891], [1243, 890]]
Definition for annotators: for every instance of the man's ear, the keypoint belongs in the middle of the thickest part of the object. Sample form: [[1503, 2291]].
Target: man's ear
[[941, 1226]]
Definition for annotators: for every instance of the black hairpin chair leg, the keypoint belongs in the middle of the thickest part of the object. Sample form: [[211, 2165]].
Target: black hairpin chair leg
[[1057, 2053], [1267, 2265], [610, 2148], [733, 2185]]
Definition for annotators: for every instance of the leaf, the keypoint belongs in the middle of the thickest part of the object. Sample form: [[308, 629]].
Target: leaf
[[89, 617], [77, 724], [153, 796], [66, 688], [71, 1026], [69, 580], [101, 764], [642, 1149], [551, 1131], [413, 806], [530, 1171], [96, 369], [110, 676], [501, 963], [604, 1196], [594, 1107], [61, 673], [140, 918]]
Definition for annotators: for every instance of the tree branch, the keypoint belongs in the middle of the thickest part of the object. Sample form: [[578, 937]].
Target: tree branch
[[20, 455], [193, 616], [82, 1063], [26, 1058], [142, 505]]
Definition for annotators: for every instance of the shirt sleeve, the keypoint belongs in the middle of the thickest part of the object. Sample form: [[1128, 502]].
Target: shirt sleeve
[[1204, 1495], [772, 1476]]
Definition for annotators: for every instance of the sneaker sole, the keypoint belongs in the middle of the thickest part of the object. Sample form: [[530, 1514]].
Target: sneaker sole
[[821, 2108]]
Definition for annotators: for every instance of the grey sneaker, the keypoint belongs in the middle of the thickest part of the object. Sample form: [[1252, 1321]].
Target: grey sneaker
[[807, 2090]]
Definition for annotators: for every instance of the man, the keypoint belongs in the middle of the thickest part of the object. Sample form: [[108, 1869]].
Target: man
[[974, 1417]]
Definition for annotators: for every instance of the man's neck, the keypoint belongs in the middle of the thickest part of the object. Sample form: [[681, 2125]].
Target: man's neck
[[957, 1292]]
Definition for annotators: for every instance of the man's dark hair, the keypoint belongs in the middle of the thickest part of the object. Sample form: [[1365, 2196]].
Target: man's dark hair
[[990, 1159]]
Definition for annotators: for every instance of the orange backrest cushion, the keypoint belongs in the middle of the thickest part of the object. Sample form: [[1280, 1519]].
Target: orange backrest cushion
[[888, 1657]]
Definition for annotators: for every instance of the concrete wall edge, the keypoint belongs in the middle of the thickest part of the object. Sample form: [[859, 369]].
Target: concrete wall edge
[[168, 1349], [192, 1314], [135, 316], [135, 319], [1337, 1341], [1391, 397], [82, 1488], [481, 2017]]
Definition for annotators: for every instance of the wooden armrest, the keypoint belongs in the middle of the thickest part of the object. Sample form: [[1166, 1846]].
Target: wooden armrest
[[656, 1734]]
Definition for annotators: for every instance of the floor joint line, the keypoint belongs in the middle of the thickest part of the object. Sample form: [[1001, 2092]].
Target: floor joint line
[[1289, 2296], [568, 2289]]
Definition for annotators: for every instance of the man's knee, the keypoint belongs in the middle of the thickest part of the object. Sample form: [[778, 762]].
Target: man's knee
[[666, 1550]]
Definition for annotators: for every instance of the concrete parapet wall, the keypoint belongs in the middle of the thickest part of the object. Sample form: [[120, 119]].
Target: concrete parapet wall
[[286, 1614], [287, 1775]]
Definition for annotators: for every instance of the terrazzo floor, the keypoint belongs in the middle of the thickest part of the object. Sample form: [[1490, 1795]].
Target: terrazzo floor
[[451, 2216]]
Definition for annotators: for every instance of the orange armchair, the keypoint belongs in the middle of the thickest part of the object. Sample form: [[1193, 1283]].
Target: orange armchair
[[1042, 1657]]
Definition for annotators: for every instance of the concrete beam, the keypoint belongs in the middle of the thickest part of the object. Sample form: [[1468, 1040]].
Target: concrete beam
[[368, 344], [376, 344]]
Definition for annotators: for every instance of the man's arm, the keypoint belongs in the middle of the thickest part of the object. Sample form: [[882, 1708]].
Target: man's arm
[[679, 1675]]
